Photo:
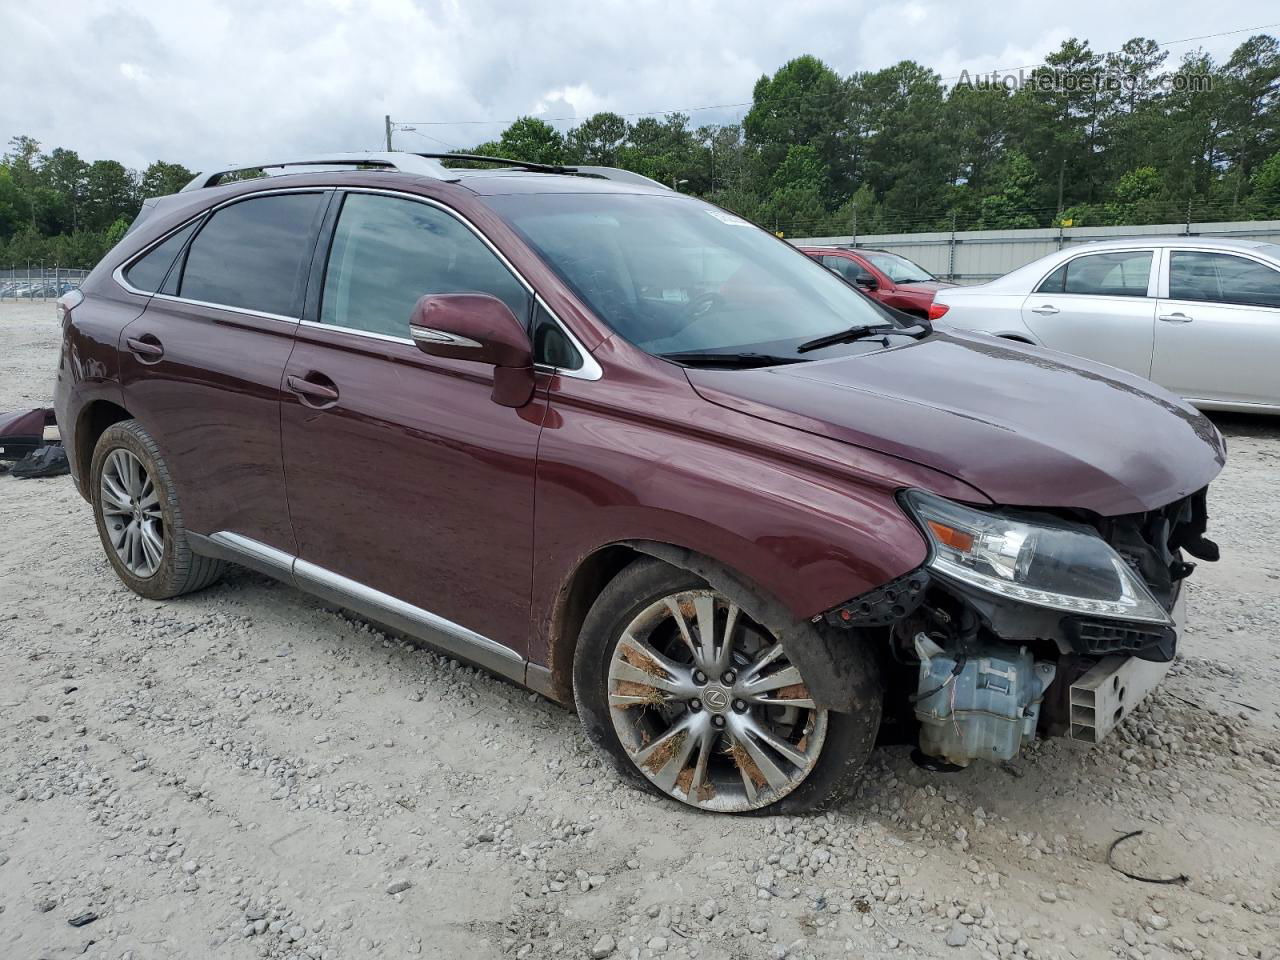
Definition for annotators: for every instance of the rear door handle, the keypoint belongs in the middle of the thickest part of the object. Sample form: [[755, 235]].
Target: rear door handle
[[1175, 318], [1047, 310], [316, 392], [145, 348]]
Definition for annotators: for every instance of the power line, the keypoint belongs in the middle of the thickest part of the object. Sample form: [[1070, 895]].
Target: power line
[[748, 103]]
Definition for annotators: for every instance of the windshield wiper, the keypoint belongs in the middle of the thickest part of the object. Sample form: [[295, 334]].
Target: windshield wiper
[[700, 358], [861, 332]]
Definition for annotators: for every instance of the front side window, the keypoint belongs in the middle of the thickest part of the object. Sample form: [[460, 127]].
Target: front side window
[[250, 254], [673, 274], [849, 269], [148, 272], [389, 252], [1222, 278], [1102, 275]]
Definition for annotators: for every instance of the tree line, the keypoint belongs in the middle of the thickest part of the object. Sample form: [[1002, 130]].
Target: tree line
[[1087, 139]]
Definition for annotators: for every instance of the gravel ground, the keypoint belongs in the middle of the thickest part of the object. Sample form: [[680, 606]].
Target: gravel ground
[[246, 772]]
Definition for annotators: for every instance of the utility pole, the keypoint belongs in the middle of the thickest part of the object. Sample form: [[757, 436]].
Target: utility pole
[[387, 118], [853, 242]]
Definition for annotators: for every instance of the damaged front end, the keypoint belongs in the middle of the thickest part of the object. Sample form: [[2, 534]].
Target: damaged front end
[[1023, 621]]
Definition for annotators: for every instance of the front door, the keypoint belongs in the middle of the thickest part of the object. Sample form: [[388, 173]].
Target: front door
[[1218, 330], [410, 490], [1097, 306]]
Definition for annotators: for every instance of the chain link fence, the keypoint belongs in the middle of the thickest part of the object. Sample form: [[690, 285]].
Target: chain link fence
[[38, 282]]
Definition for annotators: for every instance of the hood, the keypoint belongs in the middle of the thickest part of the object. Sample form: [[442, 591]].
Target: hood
[[1026, 426]]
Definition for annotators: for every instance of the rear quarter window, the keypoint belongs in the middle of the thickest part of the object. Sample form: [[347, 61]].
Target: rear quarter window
[[148, 272]]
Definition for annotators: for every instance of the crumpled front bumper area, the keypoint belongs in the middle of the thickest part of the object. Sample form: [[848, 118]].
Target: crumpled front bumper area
[[991, 671]]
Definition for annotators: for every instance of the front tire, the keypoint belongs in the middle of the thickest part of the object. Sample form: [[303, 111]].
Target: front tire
[[139, 519], [692, 698]]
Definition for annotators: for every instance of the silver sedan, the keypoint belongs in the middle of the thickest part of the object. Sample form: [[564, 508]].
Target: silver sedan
[[1200, 317]]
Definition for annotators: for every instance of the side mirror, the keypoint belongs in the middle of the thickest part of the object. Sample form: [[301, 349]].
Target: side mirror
[[479, 327], [866, 280]]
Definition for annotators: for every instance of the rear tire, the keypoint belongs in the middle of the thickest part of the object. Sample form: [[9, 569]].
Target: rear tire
[[139, 519], [779, 753]]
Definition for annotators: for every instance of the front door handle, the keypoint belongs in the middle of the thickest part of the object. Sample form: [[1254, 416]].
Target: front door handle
[[146, 348], [1047, 310], [317, 393], [1175, 318]]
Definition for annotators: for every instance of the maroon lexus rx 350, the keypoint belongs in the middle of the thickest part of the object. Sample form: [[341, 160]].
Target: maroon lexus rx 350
[[627, 449]]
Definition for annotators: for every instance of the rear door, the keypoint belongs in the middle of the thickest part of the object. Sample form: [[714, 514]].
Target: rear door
[[1100, 306], [410, 490], [202, 366], [1218, 327]]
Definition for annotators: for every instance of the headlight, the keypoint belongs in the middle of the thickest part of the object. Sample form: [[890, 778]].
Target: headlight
[[1061, 568]]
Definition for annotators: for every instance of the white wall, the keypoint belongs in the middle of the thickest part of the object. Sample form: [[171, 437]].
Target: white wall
[[977, 255]]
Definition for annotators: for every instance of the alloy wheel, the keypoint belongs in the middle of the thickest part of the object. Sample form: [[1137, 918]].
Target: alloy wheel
[[131, 511], [708, 706]]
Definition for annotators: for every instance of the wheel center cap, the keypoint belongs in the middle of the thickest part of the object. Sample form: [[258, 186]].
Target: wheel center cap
[[717, 698]]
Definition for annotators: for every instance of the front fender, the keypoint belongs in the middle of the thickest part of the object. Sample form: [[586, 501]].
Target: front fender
[[809, 521]]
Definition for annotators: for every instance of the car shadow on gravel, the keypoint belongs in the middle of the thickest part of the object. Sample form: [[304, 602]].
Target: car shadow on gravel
[[1247, 425]]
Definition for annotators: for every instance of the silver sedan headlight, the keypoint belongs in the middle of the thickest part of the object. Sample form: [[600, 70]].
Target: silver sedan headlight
[[1061, 568]]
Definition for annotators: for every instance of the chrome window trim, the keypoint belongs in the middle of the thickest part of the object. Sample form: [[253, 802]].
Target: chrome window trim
[[247, 311], [118, 273], [1167, 273], [371, 334], [1076, 255], [589, 370]]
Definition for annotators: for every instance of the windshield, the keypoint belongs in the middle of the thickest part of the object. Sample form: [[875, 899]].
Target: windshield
[[896, 268], [675, 275]]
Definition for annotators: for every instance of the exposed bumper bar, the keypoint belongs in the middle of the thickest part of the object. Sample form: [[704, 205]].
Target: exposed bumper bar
[[1110, 691]]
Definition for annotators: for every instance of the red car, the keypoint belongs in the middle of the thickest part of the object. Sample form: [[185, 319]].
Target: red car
[[892, 279], [624, 448]]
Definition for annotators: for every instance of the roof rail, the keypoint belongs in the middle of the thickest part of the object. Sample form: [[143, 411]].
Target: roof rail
[[622, 176], [505, 161], [420, 164], [605, 173]]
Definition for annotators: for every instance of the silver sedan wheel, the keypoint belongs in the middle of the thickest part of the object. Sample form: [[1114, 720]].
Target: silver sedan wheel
[[131, 511], [709, 708]]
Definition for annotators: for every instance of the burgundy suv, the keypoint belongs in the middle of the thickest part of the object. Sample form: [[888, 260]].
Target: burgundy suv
[[888, 277], [627, 449]]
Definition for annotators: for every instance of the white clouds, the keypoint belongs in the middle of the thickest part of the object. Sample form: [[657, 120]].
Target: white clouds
[[578, 101], [207, 81]]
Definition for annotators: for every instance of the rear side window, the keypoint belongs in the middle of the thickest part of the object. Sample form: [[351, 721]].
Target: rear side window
[[251, 253], [148, 273], [1103, 275], [1222, 278], [388, 252]]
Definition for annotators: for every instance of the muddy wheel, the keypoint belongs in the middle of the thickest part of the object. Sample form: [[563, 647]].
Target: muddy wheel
[[694, 699], [139, 520]]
